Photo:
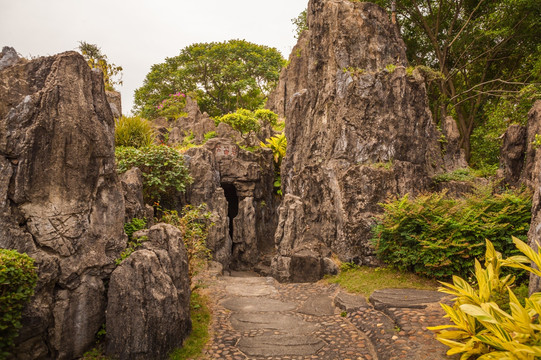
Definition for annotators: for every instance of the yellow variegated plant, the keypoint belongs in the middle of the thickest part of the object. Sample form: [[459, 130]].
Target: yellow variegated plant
[[481, 328]]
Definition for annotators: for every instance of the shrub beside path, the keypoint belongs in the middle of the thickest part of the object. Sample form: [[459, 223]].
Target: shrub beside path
[[259, 318]]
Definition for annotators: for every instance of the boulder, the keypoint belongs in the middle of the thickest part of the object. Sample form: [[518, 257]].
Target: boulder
[[359, 129], [148, 310], [60, 198]]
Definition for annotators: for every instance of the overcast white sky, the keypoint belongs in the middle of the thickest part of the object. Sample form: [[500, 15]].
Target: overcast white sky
[[138, 33]]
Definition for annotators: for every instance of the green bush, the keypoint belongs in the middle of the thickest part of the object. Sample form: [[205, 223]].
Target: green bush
[[210, 135], [133, 131], [18, 278], [134, 225], [163, 168], [437, 236], [246, 121]]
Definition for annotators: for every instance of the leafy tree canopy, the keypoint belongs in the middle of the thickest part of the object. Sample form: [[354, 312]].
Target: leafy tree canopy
[[112, 74], [221, 76], [488, 51]]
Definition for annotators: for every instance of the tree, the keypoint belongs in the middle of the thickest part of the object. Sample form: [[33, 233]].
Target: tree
[[112, 74], [487, 51], [221, 76]]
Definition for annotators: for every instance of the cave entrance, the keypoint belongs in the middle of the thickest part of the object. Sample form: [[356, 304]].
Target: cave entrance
[[230, 193]]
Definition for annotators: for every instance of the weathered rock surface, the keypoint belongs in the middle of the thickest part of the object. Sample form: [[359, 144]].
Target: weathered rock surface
[[149, 294], [8, 57], [115, 102], [60, 198], [237, 187], [512, 154], [358, 130], [454, 156], [132, 188], [532, 178]]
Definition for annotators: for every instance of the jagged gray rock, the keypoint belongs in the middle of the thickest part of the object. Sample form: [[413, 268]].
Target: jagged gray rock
[[454, 156], [132, 188], [512, 154], [532, 178], [237, 187], [358, 128], [8, 57], [149, 295], [60, 198], [115, 102]]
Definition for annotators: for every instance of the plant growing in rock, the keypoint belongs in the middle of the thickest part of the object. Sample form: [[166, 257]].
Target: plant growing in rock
[[438, 236], [173, 107], [242, 120], [482, 329], [134, 225], [18, 277], [300, 24], [278, 144], [96, 59], [132, 246], [163, 168], [194, 223], [133, 131]]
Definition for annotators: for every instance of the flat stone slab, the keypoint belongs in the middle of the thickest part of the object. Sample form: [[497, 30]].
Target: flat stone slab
[[321, 305], [250, 289], [256, 304], [350, 302], [271, 321], [280, 345], [404, 298]]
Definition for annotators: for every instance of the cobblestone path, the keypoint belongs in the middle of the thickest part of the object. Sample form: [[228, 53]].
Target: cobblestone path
[[259, 318]]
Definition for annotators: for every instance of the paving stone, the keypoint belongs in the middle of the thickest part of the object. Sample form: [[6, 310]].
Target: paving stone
[[256, 304], [318, 305], [280, 345], [350, 302], [271, 321], [404, 298]]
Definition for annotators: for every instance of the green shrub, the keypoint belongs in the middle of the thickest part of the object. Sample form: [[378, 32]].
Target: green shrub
[[210, 135], [163, 168], [173, 107], [18, 278], [437, 236], [132, 246], [134, 225], [194, 224], [246, 121], [133, 131], [490, 320]]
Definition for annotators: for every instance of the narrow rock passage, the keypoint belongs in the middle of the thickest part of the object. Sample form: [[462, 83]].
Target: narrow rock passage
[[259, 318]]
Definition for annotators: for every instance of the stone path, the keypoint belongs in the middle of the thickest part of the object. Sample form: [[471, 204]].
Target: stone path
[[259, 318]]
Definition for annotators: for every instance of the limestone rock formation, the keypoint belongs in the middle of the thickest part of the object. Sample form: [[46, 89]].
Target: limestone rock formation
[[149, 295], [8, 57], [358, 128], [532, 178], [454, 156], [237, 187], [194, 123], [132, 188], [60, 198], [512, 154], [115, 102]]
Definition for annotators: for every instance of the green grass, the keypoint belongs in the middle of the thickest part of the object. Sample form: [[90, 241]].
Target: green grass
[[194, 344], [365, 280]]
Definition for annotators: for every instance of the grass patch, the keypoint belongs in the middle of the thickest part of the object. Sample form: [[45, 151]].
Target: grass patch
[[194, 344], [365, 280]]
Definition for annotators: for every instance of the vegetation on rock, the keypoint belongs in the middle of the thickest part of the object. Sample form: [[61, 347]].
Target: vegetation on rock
[[278, 145], [163, 168], [221, 76], [490, 320], [133, 131], [245, 121], [300, 24], [437, 236], [173, 106], [112, 74], [18, 277]]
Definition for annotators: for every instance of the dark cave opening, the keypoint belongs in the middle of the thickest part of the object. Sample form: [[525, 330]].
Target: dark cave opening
[[230, 193]]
